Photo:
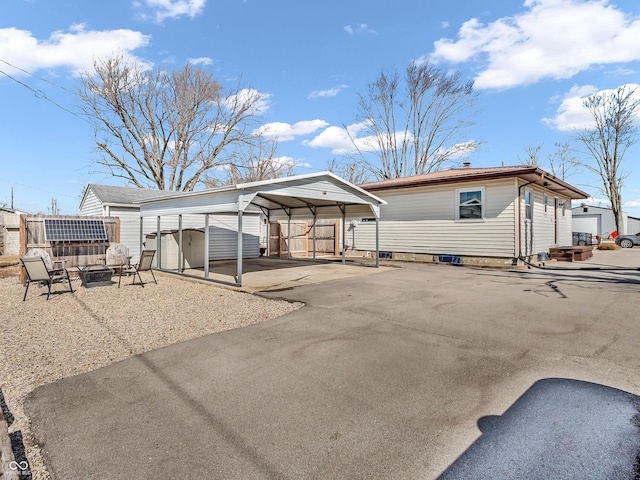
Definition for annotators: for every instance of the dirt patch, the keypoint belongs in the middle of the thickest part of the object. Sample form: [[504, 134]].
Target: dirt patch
[[9, 266]]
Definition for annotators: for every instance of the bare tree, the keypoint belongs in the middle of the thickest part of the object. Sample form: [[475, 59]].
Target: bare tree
[[164, 128], [417, 129], [613, 131], [254, 162], [352, 171], [562, 162], [533, 155]]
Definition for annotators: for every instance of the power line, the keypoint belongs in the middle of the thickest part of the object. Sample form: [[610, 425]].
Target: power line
[[41, 95], [39, 78]]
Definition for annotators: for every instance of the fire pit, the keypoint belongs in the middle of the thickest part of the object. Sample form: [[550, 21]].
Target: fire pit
[[95, 276]]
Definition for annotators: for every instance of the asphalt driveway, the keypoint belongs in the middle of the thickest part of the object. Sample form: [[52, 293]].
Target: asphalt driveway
[[390, 375]]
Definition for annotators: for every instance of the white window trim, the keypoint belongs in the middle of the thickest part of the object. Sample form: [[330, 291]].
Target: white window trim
[[524, 203], [483, 204]]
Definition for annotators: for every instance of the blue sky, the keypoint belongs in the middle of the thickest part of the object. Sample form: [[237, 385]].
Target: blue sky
[[532, 61]]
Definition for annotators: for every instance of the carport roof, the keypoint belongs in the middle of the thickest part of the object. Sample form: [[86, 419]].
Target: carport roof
[[299, 196]]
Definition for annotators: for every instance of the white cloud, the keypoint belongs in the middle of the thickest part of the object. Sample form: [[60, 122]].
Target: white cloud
[[286, 161], [339, 140], [164, 9], [360, 28], [75, 49], [201, 61], [550, 39], [631, 204], [572, 115], [332, 92], [286, 132], [260, 101]]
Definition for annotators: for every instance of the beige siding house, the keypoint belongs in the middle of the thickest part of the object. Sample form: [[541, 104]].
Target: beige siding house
[[467, 215]]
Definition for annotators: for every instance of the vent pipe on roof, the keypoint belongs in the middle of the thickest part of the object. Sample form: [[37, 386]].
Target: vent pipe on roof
[[466, 165]]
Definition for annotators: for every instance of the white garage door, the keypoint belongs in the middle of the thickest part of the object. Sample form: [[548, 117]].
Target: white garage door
[[585, 224]]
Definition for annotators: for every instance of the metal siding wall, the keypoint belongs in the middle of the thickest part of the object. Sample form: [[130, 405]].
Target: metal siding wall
[[422, 220], [92, 206], [633, 225], [130, 228], [223, 237]]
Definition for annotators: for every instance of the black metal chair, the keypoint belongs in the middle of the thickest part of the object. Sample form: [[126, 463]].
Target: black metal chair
[[144, 265], [37, 271]]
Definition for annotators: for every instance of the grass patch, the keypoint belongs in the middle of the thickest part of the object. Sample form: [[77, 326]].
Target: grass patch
[[9, 260], [608, 246]]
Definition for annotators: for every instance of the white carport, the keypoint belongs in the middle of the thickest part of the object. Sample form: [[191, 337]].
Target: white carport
[[313, 196]]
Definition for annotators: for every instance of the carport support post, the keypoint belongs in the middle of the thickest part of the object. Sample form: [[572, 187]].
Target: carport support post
[[314, 235], [377, 242], [289, 235], [206, 246], [239, 259], [268, 233], [141, 234], [158, 246], [180, 243], [344, 233]]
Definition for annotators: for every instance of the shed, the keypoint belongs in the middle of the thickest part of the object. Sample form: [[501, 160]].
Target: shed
[[478, 216], [190, 250], [596, 220], [10, 231], [312, 196]]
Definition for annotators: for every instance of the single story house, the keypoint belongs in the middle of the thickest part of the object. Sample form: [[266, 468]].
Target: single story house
[[600, 221], [124, 203], [478, 216], [10, 231]]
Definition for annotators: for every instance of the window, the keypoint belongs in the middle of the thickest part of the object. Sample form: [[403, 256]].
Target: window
[[470, 204], [528, 204], [546, 203]]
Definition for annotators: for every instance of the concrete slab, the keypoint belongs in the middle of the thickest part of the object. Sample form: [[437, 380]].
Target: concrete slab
[[378, 376], [271, 274]]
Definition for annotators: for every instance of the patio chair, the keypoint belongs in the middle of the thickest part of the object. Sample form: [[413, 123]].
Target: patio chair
[[144, 265], [117, 256], [38, 271]]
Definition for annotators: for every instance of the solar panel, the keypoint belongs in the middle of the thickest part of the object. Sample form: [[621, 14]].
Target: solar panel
[[61, 230]]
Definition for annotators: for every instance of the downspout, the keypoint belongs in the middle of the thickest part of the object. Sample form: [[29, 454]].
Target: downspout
[[520, 213]]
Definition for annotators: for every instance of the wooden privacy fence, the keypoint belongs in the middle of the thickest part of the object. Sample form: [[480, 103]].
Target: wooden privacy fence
[[301, 239], [76, 252]]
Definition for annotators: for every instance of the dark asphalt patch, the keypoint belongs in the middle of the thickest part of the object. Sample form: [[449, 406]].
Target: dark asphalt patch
[[560, 429]]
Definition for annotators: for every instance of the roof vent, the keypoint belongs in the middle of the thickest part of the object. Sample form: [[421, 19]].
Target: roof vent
[[466, 165]]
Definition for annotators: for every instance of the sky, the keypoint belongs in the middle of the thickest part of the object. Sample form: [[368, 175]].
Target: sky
[[532, 63]]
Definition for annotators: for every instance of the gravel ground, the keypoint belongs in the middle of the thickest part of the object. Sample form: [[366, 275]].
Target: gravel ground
[[42, 341]]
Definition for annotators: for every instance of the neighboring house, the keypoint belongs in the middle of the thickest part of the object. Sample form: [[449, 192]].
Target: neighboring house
[[10, 231], [483, 216], [601, 221], [124, 203]]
